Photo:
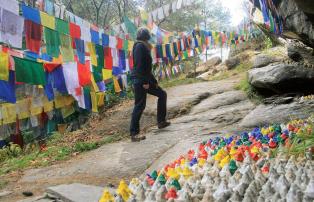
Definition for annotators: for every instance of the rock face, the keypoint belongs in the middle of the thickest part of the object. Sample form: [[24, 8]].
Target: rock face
[[268, 114], [298, 15], [282, 78], [263, 60], [232, 62]]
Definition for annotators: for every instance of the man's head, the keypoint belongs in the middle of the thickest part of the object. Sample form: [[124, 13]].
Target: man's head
[[143, 34]]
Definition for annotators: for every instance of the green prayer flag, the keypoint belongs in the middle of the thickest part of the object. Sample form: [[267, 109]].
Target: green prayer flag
[[52, 42], [66, 48], [97, 73], [203, 37], [62, 26], [28, 71], [125, 45], [130, 27], [100, 55], [185, 53]]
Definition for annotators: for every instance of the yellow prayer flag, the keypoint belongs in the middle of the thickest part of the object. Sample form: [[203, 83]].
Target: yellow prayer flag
[[67, 111], [59, 102], [92, 52], [107, 74], [36, 110], [101, 98], [164, 49], [130, 45], [94, 102], [9, 113], [48, 105], [47, 20], [4, 66], [94, 85], [116, 85], [68, 100], [23, 107]]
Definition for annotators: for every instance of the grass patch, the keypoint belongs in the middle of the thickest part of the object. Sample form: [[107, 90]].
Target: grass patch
[[278, 51], [180, 80], [3, 184], [85, 146], [252, 94], [56, 150], [240, 69]]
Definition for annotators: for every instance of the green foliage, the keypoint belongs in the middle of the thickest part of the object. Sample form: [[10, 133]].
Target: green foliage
[[268, 43], [245, 86], [85, 146]]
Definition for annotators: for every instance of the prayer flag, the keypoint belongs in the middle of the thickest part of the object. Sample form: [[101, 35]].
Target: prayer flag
[[28, 71]]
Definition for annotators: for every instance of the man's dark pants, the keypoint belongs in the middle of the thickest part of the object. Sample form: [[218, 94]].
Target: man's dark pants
[[140, 103]]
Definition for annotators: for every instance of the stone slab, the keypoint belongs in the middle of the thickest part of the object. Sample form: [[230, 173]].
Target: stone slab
[[76, 192], [5, 193]]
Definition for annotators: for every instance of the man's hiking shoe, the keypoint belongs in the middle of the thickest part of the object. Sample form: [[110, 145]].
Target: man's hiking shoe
[[163, 124], [137, 138]]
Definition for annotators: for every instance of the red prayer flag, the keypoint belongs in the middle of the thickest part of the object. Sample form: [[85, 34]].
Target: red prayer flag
[[75, 31], [120, 43], [179, 46], [49, 67], [84, 73], [131, 63], [108, 58], [33, 35]]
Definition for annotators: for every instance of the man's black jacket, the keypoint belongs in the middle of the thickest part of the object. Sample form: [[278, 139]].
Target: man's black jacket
[[142, 71]]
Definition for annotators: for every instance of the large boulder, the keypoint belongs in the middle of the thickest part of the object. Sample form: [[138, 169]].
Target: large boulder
[[205, 76], [232, 62], [263, 60], [274, 113], [210, 64], [282, 78]]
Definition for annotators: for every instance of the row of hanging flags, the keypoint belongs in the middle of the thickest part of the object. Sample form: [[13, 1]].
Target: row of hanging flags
[[59, 58], [271, 17]]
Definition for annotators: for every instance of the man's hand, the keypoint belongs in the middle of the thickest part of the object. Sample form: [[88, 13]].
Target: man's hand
[[146, 86]]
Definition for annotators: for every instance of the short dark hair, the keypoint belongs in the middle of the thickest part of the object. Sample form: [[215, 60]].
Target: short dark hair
[[143, 34]]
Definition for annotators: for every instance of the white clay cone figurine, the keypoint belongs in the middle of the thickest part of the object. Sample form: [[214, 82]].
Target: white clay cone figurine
[[232, 183], [309, 192], [222, 192], [273, 175], [140, 193], [261, 199], [151, 197], [132, 199], [187, 188], [118, 198], [206, 180], [275, 197], [160, 195], [225, 171], [146, 186], [198, 191], [282, 186], [290, 175], [294, 194], [184, 197], [208, 196], [235, 197]]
